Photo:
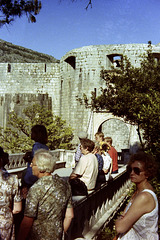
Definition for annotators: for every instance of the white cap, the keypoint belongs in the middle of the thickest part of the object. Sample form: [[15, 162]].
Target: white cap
[[82, 135]]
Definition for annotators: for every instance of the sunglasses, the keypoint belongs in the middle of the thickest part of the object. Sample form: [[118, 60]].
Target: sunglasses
[[136, 170]]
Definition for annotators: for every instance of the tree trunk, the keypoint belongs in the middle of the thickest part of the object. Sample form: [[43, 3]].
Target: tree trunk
[[140, 138]]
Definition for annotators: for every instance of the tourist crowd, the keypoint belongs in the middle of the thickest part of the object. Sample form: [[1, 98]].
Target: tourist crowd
[[44, 199]]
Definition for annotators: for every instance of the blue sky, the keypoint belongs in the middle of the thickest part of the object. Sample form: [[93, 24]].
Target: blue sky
[[62, 25]]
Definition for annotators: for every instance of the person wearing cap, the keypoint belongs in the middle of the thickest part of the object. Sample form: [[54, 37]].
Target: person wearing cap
[[78, 154]]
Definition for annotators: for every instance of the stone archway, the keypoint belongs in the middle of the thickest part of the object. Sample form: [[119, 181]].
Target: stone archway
[[119, 131]]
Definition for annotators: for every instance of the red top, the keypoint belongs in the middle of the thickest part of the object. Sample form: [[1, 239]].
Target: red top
[[113, 154]]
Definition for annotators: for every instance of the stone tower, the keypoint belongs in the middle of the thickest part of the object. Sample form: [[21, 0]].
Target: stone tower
[[80, 73]]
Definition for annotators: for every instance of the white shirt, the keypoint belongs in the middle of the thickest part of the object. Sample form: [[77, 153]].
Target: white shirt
[[87, 168], [107, 161]]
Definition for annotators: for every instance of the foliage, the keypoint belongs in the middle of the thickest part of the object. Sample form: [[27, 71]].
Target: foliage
[[107, 234], [134, 94], [156, 185], [16, 137], [11, 9]]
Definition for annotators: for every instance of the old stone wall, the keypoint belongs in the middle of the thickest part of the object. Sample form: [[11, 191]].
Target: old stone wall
[[23, 84], [58, 85], [80, 73]]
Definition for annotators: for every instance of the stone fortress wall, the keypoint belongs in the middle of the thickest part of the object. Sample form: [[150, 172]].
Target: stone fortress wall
[[58, 84], [26, 83], [80, 73]]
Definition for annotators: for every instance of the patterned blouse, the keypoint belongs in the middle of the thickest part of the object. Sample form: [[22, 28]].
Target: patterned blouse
[[46, 202], [9, 193]]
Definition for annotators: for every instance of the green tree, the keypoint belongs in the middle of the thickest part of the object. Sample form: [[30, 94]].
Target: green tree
[[134, 94], [11, 9], [16, 137]]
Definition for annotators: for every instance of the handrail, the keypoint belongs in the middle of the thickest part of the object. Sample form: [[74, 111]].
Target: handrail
[[90, 213], [93, 211], [61, 155]]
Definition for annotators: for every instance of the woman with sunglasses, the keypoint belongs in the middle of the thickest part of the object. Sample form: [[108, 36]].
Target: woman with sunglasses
[[140, 218]]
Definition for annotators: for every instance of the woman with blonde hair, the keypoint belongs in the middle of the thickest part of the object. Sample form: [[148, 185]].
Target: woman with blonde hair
[[48, 210]]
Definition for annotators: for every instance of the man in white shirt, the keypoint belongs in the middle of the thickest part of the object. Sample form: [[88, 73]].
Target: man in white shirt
[[87, 167]]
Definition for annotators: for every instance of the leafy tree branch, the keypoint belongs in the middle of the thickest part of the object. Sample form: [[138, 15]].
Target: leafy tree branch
[[12, 9]]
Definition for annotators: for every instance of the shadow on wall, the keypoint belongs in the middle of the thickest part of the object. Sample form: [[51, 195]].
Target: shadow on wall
[[124, 136], [135, 147], [118, 131], [126, 153]]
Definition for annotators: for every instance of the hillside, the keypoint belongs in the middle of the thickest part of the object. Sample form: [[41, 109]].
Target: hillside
[[13, 53]]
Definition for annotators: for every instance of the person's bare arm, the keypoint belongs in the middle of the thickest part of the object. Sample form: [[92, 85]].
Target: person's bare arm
[[105, 170], [141, 205], [17, 207], [68, 218], [25, 228], [111, 166], [73, 175]]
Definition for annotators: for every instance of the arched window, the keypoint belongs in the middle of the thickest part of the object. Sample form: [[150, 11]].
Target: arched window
[[156, 57], [114, 61], [72, 61]]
